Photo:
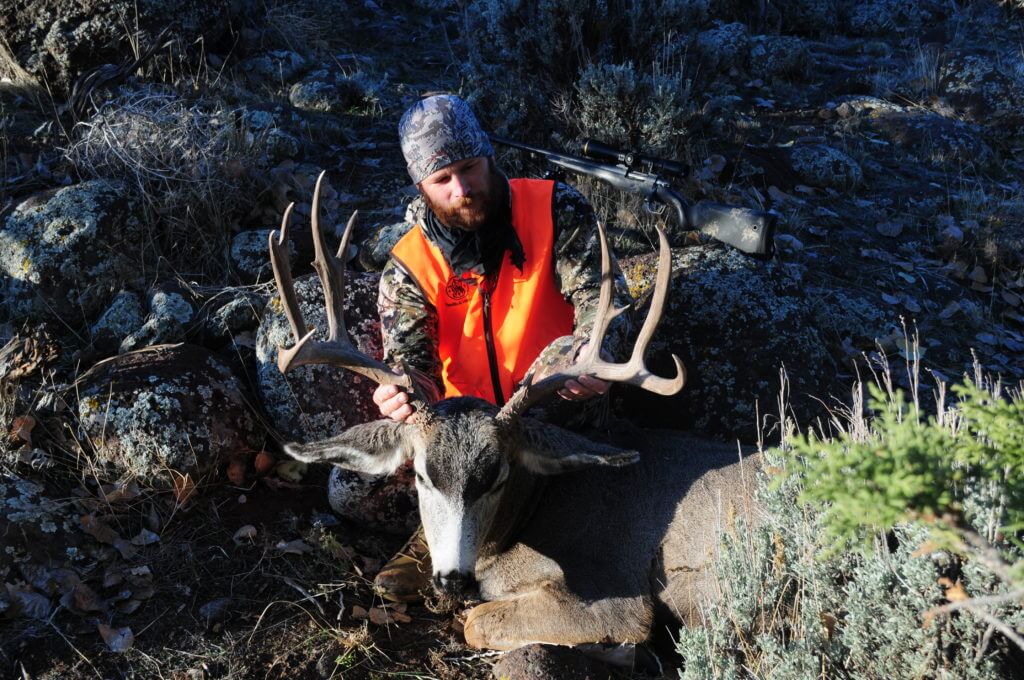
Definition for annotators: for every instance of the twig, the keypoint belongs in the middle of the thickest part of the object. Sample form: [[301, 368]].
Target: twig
[[976, 602]]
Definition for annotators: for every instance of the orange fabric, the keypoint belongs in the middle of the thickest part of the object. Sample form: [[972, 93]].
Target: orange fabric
[[528, 310]]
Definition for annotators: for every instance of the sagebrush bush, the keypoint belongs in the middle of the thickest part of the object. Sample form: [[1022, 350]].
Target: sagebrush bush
[[531, 59], [796, 604], [190, 164]]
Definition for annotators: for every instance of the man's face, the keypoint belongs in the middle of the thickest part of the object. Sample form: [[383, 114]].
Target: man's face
[[463, 194]]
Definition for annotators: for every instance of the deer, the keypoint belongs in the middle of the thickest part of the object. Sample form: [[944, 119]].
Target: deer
[[566, 540]]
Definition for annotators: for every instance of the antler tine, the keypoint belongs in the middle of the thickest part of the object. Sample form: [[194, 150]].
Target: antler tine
[[634, 371], [283, 275], [331, 270], [337, 349]]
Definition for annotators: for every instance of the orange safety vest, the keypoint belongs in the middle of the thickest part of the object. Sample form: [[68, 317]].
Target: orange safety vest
[[502, 323]]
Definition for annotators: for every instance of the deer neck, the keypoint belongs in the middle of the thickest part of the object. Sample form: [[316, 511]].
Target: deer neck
[[515, 510]]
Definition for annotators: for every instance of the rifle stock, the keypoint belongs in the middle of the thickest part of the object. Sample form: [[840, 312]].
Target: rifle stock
[[751, 231]]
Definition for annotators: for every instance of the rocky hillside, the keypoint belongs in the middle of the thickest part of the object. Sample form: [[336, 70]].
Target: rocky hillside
[[147, 149]]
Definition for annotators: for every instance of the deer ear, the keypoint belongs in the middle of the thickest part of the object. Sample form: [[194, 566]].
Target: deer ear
[[549, 450], [375, 448]]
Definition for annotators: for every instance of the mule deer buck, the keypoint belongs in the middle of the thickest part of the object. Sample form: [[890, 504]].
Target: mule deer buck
[[570, 541]]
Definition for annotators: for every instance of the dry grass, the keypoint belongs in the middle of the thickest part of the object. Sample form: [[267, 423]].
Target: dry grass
[[189, 163]]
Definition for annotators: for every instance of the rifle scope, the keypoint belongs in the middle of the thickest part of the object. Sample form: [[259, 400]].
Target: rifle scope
[[632, 160]]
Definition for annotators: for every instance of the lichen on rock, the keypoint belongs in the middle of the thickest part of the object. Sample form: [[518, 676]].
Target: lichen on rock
[[141, 413], [63, 253], [314, 402]]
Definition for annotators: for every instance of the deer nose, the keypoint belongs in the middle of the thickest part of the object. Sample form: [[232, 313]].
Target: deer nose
[[457, 584]]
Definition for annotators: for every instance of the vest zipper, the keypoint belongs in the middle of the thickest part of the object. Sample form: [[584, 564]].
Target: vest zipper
[[492, 355]]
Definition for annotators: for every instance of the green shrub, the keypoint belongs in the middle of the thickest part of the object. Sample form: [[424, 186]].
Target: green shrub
[[929, 502]]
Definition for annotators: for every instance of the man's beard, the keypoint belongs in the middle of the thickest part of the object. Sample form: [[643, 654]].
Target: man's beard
[[472, 212]]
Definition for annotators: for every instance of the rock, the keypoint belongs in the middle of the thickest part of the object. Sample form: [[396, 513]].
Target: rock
[[734, 321], [1000, 238], [51, 43], [314, 402], [278, 67], [171, 302], [157, 330], [124, 315], [331, 91], [239, 314], [883, 17], [541, 662], [932, 138], [778, 55], [825, 166], [375, 251], [172, 407], [984, 88], [64, 253], [249, 255], [724, 47]]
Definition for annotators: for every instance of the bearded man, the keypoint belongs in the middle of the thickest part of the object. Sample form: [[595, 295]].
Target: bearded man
[[496, 279]]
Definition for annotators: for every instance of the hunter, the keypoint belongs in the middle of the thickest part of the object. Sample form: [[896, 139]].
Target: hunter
[[474, 297]]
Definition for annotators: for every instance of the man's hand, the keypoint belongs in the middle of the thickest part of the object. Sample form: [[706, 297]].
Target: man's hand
[[393, 402], [584, 387]]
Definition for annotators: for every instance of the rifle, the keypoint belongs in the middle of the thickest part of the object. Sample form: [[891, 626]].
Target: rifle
[[749, 230]]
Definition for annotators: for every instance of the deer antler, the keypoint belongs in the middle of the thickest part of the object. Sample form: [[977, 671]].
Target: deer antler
[[633, 372], [337, 350]]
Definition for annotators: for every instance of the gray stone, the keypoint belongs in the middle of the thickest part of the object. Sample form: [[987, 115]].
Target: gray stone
[[171, 304], [249, 255], [778, 55], [326, 95], [278, 67], [64, 253], [240, 314], [825, 166], [124, 315], [734, 321], [884, 17], [314, 402], [375, 250], [985, 88], [169, 408], [52, 43], [724, 47], [157, 330]]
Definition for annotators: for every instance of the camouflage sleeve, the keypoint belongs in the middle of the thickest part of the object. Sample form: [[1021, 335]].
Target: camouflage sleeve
[[578, 271], [408, 326]]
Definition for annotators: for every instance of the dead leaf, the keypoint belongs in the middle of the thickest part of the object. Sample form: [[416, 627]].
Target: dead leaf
[[236, 472], [99, 529], [1011, 299], [890, 299], [21, 429], [145, 537], [82, 598], [128, 606], [184, 486], [296, 547], [245, 533], [978, 275], [359, 613], [829, 621], [117, 639], [954, 590], [29, 603]]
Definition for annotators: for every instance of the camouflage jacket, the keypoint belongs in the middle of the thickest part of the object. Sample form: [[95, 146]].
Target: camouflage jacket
[[409, 322]]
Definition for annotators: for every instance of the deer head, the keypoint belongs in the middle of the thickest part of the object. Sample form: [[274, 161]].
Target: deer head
[[467, 453]]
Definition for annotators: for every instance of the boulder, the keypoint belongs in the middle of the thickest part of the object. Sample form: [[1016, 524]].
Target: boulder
[[314, 402], [930, 137], [375, 251], [122, 318], [52, 42], [825, 166], [249, 255], [985, 88], [724, 47], [735, 321], [168, 407], [275, 68], [778, 55], [63, 253], [330, 90], [883, 17]]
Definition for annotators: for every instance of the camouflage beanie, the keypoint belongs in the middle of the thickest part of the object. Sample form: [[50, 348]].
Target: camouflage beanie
[[438, 131]]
